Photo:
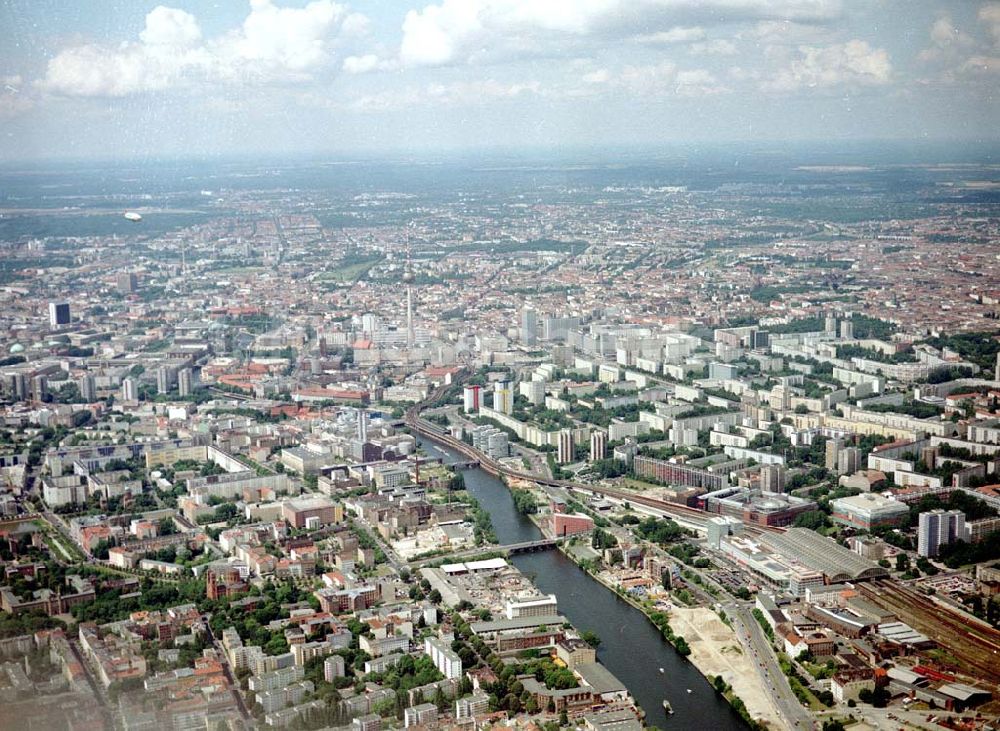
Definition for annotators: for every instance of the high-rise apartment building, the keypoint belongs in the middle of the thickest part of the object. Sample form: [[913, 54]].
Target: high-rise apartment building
[[529, 326], [557, 328], [445, 659], [58, 314], [88, 388], [849, 461], [185, 381], [39, 388], [165, 378], [565, 451], [130, 389], [470, 399], [503, 397], [939, 528], [772, 478], [831, 326], [833, 447], [598, 445], [534, 391], [127, 283]]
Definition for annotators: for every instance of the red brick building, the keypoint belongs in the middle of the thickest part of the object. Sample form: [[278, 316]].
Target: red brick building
[[564, 524], [223, 582]]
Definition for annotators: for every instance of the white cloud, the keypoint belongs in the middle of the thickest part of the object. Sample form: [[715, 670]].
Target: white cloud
[[356, 25], [982, 65], [366, 63], [432, 37], [697, 82], [945, 33], [650, 79], [947, 41], [458, 31], [95, 71], [717, 47], [291, 38], [273, 44], [679, 34], [170, 27], [600, 76], [460, 93], [854, 63], [665, 79], [956, 55], [784, 33], [989, 16]]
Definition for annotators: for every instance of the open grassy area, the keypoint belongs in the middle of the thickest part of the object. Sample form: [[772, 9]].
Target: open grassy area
[[633, 484], [62, 548], [349, 272]]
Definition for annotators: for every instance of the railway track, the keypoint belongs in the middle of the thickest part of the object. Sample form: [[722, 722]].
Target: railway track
[[441, 435], [975, 645]]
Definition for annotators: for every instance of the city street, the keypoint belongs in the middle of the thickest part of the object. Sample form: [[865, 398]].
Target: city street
[[233, 683], [755, 642]]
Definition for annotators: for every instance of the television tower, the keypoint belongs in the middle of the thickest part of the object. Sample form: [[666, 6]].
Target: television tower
[[408, 279]]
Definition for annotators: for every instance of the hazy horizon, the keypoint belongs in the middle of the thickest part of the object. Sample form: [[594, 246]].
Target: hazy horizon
[[803, 152]]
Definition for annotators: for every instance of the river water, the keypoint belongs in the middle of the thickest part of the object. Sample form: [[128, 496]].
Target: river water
[[631, 647]]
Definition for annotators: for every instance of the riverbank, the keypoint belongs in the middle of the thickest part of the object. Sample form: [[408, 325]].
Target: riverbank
[[713, 648], [632, 647], [716, 650]]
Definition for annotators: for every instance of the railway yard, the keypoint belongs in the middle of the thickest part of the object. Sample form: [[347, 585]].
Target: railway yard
[[974, 645]]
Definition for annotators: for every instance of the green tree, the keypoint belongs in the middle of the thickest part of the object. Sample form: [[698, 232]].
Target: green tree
[[439, 700], [812, 519]]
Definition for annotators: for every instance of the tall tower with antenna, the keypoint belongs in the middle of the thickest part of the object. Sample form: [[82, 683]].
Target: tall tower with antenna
[[408, 279]]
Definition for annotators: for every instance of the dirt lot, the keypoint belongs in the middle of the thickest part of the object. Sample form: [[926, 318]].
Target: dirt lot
[[715, 650]]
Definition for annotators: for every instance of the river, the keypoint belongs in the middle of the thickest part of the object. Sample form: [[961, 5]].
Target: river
[[631, 647]]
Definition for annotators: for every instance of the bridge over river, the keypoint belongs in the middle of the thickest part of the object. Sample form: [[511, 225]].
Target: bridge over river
[[542, 544]]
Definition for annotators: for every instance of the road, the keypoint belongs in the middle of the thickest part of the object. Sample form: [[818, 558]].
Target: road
[[391, 556], [234, 686], [752, 637], [98, 689], [57, 522]]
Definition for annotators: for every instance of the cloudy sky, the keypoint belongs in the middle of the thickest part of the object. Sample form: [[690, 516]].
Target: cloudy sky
[[124, 78]]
